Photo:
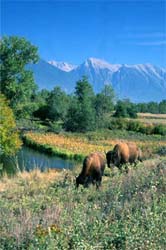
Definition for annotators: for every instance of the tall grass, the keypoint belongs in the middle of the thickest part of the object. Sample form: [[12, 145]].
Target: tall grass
[[77, 146], [45, 211]]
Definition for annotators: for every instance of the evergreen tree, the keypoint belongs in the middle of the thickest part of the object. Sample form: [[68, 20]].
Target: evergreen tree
[[153, 107], [104, 102], [81, 113], [125, 109], [120, 110], [162, 107], [57, 104], [104, 105], [142, 107]]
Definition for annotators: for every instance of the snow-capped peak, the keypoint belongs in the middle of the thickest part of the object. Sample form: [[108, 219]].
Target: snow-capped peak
[[101, 64], [63, 65]]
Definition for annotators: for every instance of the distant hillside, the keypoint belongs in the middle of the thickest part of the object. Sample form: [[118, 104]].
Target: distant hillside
[[139, 83]]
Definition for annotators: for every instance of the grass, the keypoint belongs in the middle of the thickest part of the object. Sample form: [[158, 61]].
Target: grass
[[44, 210], [149, 118], [150, 115], [77, 146]]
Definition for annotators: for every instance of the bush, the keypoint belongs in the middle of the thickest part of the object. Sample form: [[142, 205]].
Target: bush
[[136, 126], [161, 150], [159, 129], [55, 127], [118, 123], [146, 129], [9, 138]]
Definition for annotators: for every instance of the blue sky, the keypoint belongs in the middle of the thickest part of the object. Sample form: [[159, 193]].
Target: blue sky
[[117, 31]]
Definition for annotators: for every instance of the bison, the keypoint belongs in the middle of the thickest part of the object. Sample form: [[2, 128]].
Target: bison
[[124, 153], [92, 170]]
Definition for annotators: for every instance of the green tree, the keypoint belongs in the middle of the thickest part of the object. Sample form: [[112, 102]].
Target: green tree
[[153, 107], [81, 113], [162, 107], [17, 83], [125, 109], [9, 139], [120, 110], [72, 117], [57, 104], [142, 107], [41, 99], [104, 104]]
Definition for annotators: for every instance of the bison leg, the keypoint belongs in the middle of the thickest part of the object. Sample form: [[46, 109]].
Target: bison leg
[[87, 181], [119, 166], [98, 181], [126, 168]]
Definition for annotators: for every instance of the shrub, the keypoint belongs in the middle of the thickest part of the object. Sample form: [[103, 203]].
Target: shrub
[[159, 129], [161, 150], [134, 126], [55, 127], [118, 123], [9, 138]]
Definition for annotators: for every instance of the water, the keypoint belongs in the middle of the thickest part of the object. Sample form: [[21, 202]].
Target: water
[[28, 159]]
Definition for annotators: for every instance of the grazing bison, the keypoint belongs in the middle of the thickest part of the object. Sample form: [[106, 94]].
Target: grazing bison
[[92, 170], [124, 153]]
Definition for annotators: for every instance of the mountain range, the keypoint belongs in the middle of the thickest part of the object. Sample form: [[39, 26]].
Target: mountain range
[[139, 83]]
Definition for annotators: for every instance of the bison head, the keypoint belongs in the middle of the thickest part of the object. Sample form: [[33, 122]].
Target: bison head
[[85, 181], [79, 180]]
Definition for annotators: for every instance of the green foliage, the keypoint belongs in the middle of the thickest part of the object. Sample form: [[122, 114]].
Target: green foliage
[[125, 109], [120, 110], [104, 105], [81, 113], [152, 107], [161, 150], [52, 105], [17, 83], [104, 102], [9, 138], [118, 123], [162, 107], [41, 112], [41, 98], [57, 104], [55, 127], [136, 126], [159, 129]]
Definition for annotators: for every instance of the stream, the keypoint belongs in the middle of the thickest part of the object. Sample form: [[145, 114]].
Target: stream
[[28, 159]]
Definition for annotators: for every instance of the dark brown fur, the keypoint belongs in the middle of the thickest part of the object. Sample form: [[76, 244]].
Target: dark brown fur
[[92, 170], [124, 153]]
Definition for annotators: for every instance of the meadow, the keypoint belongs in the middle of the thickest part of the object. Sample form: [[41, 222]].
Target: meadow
[[78, 145], [149, 118], [44, 211]]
